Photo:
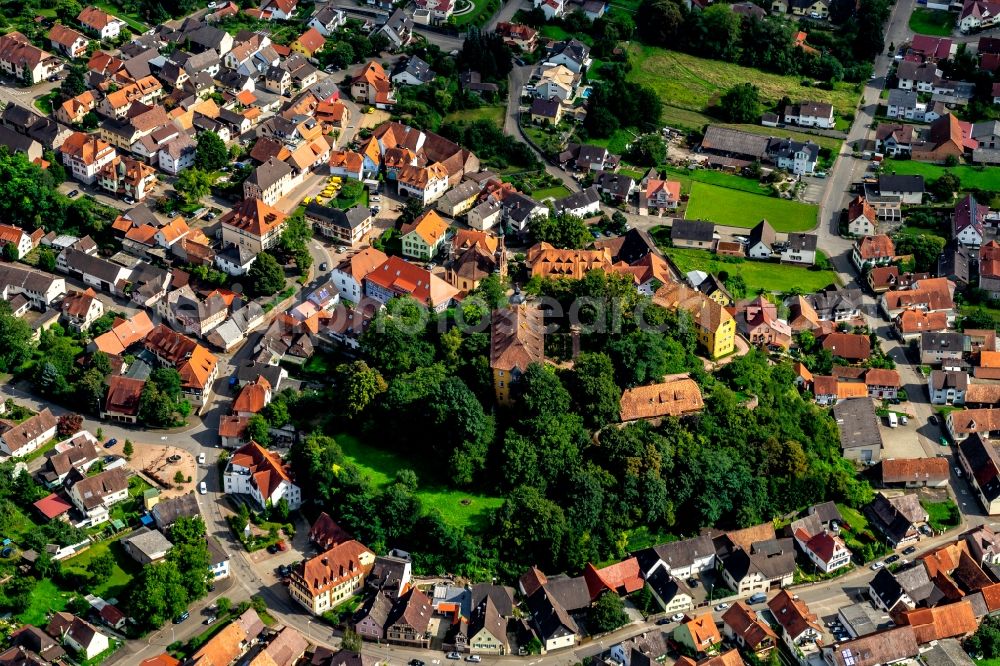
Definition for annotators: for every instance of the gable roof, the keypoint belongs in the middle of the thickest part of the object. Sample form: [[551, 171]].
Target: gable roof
[[429, 226], [903, 470], [692, 230], [516, 337], [23, 433], [672, 398]]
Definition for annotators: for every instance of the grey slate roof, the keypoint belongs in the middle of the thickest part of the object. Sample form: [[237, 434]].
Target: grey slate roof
[[579, 199], [694, 230]]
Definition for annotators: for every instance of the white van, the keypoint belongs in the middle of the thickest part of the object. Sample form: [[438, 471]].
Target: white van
[[893, 420]]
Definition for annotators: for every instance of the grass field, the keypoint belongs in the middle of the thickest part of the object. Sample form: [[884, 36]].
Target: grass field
[[694, 83], [120, 577], [992, 311], [688, 119], [941, 515], [972, 177], [687, 177], [461, 509], [757, 274], [483, 9], [938, 23], [494, 114], [133, 21], [615, 143], [557, 192], [45, 598], [741, 209]]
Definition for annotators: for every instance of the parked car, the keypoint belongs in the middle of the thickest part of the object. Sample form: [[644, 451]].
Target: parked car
[[211, 619], [323, 267], [909, 550], [203, 488], [758, 598], [174, 458], [876, 566], [943, 441], [474, 658], [73, 193], [926, 530], [663, 620], [110, 459], [183, 616], [416, 662], [201, 458], [721, 607], [677, 617], [273, 548], [454, 655], [692, 582], [891, 559], [111, 442], [932, 419]]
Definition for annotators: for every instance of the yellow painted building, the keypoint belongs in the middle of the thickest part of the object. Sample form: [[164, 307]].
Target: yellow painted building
[[715, 327], [517, 339]]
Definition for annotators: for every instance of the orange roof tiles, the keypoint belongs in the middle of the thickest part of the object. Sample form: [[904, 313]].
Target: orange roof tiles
[[875, 247], [255, 217], [703, 631], [548, 261], [194, 362], [330, 568], [429, 226], [124, 333], [311, 40], [621, 578], [672, 398], [948, 621], [254, 397], [517, 337], [901, 470], [847, 390], [401, 277], [266, 467]]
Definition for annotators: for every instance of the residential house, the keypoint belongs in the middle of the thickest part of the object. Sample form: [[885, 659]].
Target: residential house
[[698, 634], [853, 347], [861, 218], [488, 629], [73, 110], [931, 295], [894, 139], [795, 156], [692, 233], [166, 512], [23, 438], [659, 196], [910, 189], [799, 626], [68, 41], [18, 240], [883, 647], [646, 648], [346, 164], [397, 277], [947, 137], [232, 642], [423, 238], [743, 627], [947, 387], [546, 111], [897, 518], [459, 200], [327, 19], [349, 227], [680, 559], [584, 203], [26, 62], [197, 366], [474, 256], [799, 249], [878, 250], [903, 104], [761, 240], [824, 547], [348, 277], [547, 261], [946, 349], [860, 434], [399, 29], [81, 308], [424, 183], [516, 341], [979, 459], [128, 178], [278, 10], [261, 474], [810, 114], [269, 182], [977, 15], [412, 71], [85, 155], [327, 580], [519, 36], [758, 322], [94, 495], [177, 154], [254, 225], [100, 23], [715, 327], [968, 221], [756, 565], [78, 634], [409, 619], [309, 42], [373, 86], [146, 546], [910, 324], [915, 472], [678, 396], [571, 53], [79, 451]]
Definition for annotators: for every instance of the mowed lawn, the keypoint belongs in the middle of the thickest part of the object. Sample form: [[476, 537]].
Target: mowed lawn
[[735, 208], [460, 509], [972, 177], [694, 83], [120, 577], [934, 22], [492, 113], [688, 177], [764, 275]]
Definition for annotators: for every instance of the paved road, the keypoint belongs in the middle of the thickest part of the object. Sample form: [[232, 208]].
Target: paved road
[[11, 93], [515, 83]]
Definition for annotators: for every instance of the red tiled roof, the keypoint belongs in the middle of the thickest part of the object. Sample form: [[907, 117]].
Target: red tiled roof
[[52, 506], [621, 578]]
